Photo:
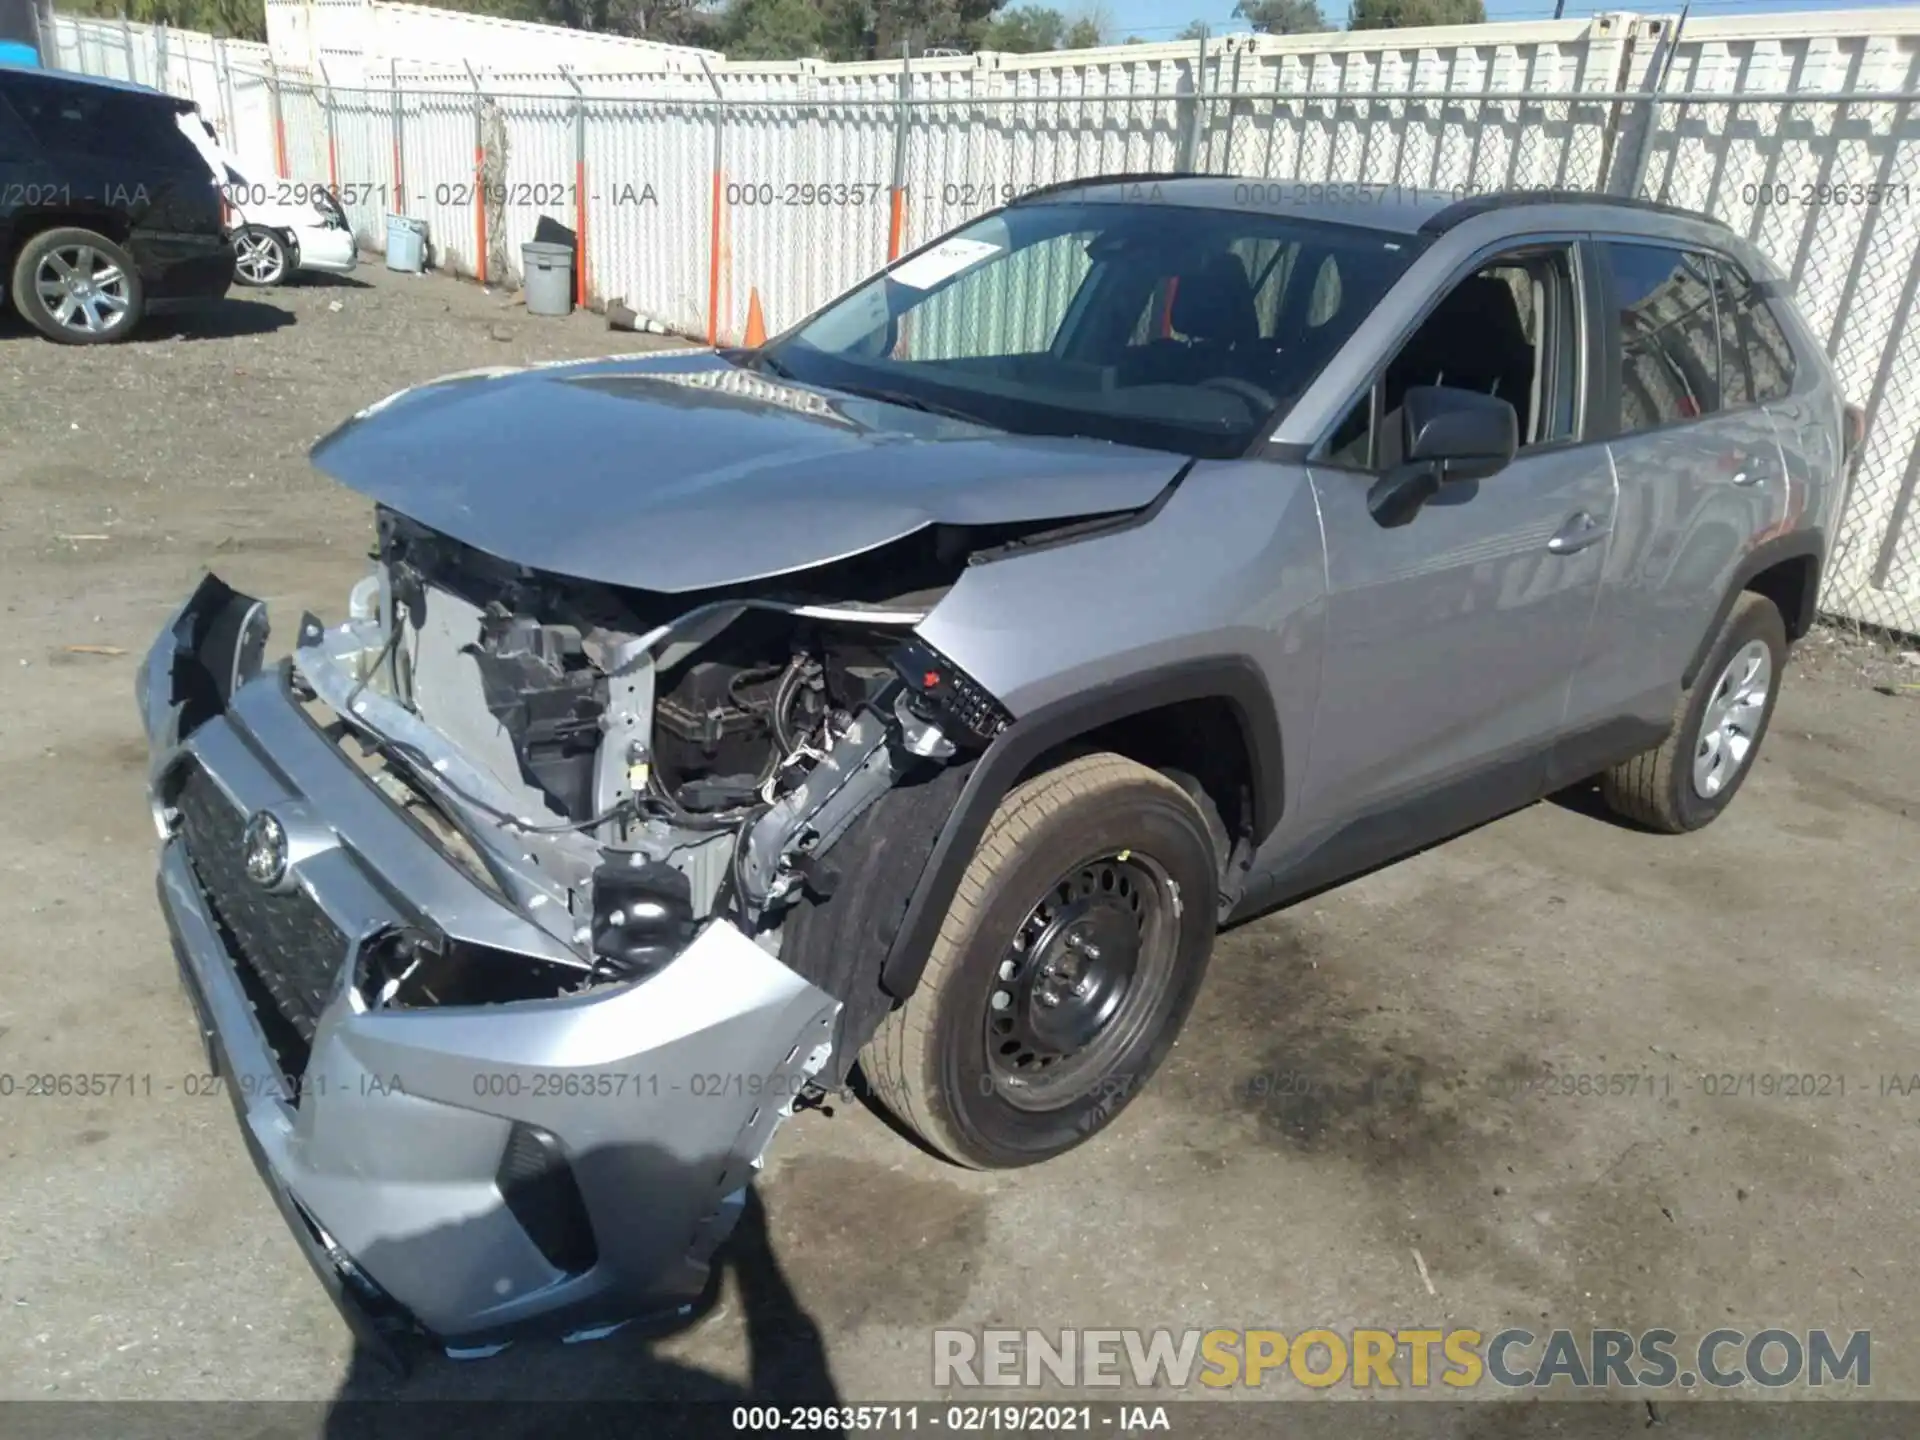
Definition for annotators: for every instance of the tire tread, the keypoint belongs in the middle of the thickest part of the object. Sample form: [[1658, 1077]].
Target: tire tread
[[898, 1060]]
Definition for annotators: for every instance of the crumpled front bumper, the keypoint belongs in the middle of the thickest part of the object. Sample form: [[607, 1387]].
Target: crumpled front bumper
[[471, 1171]]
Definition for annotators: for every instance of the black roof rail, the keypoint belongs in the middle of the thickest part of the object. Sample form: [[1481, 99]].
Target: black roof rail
[[1463, 210], [1082, 182]]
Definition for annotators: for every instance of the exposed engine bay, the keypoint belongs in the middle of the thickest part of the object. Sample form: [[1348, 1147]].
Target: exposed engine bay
[[622, 765]]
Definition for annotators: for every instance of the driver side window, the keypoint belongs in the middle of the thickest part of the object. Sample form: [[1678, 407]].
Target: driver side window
[[1510, 330]]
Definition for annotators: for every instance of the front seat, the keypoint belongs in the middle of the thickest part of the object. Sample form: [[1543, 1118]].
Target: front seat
[[1473, 340], [1213, 309]]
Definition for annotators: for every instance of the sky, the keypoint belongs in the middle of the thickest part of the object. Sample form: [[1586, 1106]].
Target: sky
[[1164, 19]]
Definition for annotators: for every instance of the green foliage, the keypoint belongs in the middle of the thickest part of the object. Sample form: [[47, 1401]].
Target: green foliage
[[242, 19], [870, 29], [1410, 14], [1282, 17], [1024, 29]]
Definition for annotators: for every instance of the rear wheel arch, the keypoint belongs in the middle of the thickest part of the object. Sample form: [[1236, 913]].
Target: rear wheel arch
[[27, 226], [1786, 570], [1173, 718]]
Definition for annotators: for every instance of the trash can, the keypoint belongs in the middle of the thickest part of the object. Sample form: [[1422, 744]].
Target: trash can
[[549, 277], [406, 244]]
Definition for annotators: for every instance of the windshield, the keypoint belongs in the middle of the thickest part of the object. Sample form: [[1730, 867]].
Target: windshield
[[1166, 326]]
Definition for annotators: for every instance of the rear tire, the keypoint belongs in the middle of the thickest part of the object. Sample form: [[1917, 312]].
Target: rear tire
[[1687, 780], [76, 287], [1062, 972]]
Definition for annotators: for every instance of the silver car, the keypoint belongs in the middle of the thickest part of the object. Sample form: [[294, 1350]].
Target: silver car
[[921, 690]]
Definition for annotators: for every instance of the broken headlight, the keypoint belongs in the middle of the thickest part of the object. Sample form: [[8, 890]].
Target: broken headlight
[[943, 694], [405, 967]]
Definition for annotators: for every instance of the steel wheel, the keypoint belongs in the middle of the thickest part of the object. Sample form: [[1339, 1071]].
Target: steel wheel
[[1084, 970], [259, 258], [1731, 723], [82, 289]]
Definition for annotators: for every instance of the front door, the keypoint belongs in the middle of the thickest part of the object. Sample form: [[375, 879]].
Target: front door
[[1451, 639]]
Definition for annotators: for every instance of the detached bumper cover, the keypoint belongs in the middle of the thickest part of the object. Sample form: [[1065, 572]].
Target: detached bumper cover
[[470, 1171]]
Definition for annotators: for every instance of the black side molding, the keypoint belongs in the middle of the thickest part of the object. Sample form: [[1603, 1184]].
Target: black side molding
[[1234, 679], [1801, 545]]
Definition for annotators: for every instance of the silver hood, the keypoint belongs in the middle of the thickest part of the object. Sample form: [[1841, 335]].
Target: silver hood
[[684, 472]]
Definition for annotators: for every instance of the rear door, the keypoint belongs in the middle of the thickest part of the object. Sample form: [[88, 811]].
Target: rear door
[[1700, 477]]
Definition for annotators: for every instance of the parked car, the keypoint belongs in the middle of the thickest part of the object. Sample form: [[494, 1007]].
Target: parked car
[[106, 213], [927, 685], [279, 226]]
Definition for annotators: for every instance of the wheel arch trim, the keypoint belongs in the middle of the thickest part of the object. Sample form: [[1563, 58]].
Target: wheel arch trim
[[1801, 545], [1234, 679]]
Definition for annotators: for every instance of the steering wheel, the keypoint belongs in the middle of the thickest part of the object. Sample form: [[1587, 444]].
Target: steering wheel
[[1264, 402]]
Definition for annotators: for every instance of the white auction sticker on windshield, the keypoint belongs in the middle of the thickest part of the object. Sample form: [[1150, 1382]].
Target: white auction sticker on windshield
[[942, 262]]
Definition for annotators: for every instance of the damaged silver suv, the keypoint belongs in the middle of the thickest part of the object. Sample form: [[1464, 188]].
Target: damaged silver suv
[[922, 690]]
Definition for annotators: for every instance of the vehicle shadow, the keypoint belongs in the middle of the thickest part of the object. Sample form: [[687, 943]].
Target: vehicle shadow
[[222, 320], [618, 1385], [1583, 798], [323, 280]]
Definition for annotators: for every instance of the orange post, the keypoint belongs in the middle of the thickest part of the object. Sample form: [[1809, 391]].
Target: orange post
[[713, 260], [580, 233], [756, 322], [480, 211], [333, 167], [896, 223]]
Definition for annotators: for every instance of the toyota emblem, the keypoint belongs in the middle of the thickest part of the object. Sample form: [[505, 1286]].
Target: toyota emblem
[[263, 850]]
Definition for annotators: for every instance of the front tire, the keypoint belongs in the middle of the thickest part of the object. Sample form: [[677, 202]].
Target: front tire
[[1686, 781], [76, 287], [1062, 972], [260, 257]]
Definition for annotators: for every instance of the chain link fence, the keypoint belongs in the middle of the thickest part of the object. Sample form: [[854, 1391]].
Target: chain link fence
[[722, 201]]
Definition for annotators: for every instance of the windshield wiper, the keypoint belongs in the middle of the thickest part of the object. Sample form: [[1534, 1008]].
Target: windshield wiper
[[763, 360], [910, 402]]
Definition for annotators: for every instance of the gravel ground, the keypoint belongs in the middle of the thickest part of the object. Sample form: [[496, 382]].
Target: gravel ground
[[141, 1258]]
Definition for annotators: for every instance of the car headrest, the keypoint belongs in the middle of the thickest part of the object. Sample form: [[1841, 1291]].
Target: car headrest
[[1215, 303]]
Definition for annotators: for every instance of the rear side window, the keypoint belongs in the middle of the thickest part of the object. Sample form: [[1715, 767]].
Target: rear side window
[[1669, 355], [105, 124], [1756, 362]]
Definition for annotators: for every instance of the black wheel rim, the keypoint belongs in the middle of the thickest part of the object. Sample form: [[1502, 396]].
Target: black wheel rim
[[1080, 980]]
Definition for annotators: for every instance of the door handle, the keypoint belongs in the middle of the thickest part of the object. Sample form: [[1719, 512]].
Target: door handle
[[1580, 531]]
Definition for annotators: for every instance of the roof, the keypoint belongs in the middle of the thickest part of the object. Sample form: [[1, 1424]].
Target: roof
[[1396, 209], [69, 77]]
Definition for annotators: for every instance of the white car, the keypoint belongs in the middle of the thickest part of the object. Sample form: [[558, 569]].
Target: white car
[[278, 226]]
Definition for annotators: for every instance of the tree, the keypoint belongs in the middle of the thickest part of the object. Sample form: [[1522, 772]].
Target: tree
[[1024, 29], [1410, 14], [1083, 34], [1282, 17], [792, 30], [242, 19]]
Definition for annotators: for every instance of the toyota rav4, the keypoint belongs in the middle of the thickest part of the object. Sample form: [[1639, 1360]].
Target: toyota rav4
[[922, 689]]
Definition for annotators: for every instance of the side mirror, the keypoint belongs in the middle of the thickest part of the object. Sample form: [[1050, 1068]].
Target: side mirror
[[1446, 435], [1464, 434]]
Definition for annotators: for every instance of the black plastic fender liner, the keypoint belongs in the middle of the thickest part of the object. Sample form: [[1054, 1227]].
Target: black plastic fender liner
[[1800, 545], [1235, 679]]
